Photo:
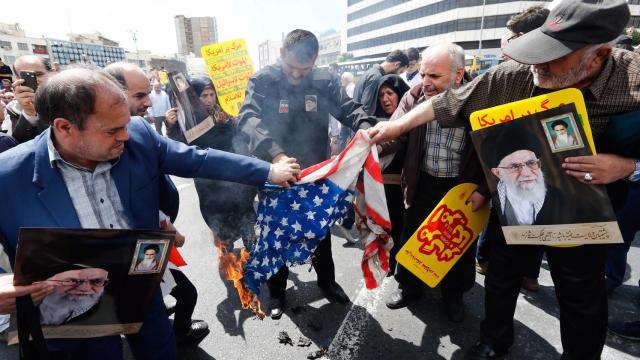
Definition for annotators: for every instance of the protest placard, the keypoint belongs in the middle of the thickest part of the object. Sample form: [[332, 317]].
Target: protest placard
[[507, 112], [230, 67], [104, 279], [193, 117], [444, 236], [535, 200]]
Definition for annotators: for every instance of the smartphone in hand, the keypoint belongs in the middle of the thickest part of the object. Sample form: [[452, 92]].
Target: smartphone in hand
[[30, 79]]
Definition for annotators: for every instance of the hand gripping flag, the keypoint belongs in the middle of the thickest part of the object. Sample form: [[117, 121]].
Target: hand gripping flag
[[292, 222]]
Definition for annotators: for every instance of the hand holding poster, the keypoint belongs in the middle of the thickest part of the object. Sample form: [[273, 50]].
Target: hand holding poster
[[230, 68], [444, 236], [104, 280], [193, 117], [536, 201]]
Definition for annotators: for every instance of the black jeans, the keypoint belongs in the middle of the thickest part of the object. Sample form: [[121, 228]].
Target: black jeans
[[186, 297], [578, 276], [322, 262], [533, 262], [462, 275]]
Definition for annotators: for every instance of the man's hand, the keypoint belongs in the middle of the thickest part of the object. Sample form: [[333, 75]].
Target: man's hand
[[26, 97], [179, 239], [385, 131], [603, 168], [478, 200], [9, 293], [279, 158], [284, 170], [171, 116]]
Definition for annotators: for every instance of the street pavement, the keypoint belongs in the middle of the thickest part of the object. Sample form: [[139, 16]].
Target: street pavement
[[365, 328]]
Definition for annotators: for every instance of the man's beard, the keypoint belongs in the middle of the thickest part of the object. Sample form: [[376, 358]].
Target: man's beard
[[522, 197], [57, 308], [147, 264], [572, 77]]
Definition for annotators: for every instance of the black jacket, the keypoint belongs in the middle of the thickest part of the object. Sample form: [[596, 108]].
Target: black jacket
[[274, 118]]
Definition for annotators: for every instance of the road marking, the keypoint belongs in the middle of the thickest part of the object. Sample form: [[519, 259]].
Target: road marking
[[353, 330]]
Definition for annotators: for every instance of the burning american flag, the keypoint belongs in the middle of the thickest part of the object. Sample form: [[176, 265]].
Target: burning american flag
[[291, 222]]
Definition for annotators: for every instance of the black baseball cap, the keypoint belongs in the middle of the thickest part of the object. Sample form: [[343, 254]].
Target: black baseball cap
[[570, 26]]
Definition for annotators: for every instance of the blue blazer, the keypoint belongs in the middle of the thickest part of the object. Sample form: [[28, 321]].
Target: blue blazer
[[35, 195]]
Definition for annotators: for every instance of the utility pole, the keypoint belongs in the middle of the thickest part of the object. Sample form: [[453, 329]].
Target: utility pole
[[135, 42], [481, 29]]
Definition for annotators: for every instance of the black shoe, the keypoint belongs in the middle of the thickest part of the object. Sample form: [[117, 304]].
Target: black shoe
[[627, 330], [199, 330], [276, 308], [401, 298], [482, 351], [454, 310], [334, 292]]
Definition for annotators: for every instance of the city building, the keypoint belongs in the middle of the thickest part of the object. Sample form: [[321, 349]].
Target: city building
[[194, 33], [93, 38], [329, 47], [142, 58], [374, 28], [11, 29], [14, 43], [268, 53], [70, 52]]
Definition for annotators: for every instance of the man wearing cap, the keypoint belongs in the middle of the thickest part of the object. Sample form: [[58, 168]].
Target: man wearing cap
[[572, 49]]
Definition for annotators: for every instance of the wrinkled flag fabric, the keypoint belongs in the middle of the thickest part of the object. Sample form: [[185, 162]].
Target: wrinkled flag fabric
[[292, 222]]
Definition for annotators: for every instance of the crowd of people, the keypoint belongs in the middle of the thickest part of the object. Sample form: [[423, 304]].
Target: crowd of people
[[88, 131]]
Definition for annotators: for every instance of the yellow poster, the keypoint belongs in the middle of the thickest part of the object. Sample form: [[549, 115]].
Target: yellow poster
[[164, 77], [500, 114], [444, 236], [230, 68]]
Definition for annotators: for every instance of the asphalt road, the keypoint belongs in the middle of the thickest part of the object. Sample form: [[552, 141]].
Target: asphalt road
[[365, 329]]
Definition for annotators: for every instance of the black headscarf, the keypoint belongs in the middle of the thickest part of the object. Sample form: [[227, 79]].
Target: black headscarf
[[398, 85], [200, 83]]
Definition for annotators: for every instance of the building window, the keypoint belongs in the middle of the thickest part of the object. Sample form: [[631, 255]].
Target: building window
[[23, 46], [39, 49], [6, 45]]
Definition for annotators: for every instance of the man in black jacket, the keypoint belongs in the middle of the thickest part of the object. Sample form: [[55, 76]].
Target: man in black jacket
[[286, 115]]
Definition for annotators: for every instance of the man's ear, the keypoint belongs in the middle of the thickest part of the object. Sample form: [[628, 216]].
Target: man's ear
[[602, 54], [496, 172], [63, 127], [459, 75]]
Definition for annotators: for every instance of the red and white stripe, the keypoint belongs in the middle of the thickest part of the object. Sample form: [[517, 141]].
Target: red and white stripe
[[372, 221], [370, 204]]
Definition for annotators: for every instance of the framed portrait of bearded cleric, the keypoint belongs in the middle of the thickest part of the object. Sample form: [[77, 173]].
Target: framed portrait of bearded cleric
[[193, 117], [533, 197], [94, 293]]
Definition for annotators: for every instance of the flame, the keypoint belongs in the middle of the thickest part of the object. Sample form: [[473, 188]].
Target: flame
[[231, 267]]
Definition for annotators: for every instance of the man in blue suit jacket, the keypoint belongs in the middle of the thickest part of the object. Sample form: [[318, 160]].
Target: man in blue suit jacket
[[91, 131]]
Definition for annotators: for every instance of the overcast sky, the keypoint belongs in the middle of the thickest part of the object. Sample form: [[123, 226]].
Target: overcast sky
[[253, 20]]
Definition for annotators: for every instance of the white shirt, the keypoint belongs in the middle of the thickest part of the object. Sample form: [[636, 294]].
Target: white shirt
[[415, 80], [159, 103]]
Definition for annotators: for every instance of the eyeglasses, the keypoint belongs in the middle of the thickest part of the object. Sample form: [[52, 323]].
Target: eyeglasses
[[78, 282], [517, 167]]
